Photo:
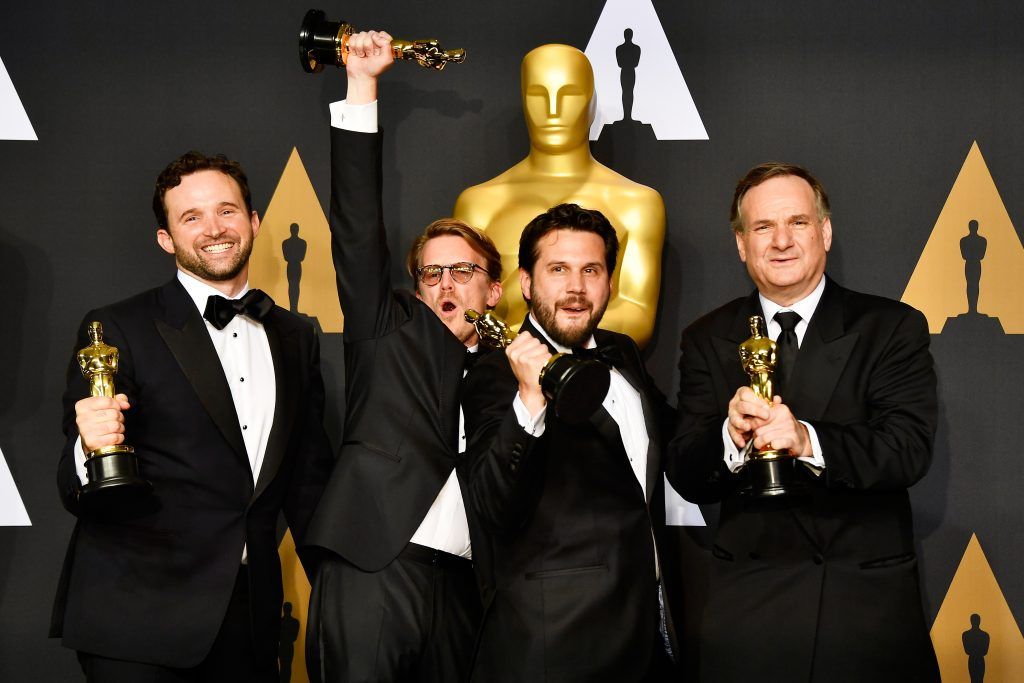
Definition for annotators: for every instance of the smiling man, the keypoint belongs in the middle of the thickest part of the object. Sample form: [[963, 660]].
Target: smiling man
[[821, 585], [572, 509], [395, 596], [222, 399]]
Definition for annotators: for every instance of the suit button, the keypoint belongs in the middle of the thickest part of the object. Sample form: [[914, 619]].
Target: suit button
[[513, 467], [819, 558], [517, 450]]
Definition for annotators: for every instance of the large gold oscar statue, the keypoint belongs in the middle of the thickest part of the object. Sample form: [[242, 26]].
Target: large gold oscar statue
[[558, 100]]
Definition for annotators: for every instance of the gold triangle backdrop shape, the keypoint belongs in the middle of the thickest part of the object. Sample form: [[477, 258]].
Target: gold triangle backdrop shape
[[295, 202], [938, 285], [974, 590]]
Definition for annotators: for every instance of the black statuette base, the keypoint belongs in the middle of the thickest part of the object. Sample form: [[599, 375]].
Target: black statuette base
[[113, 478], [575, 388]]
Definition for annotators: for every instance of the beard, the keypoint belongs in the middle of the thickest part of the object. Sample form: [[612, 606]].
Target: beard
[[193, 262], [547, 315]]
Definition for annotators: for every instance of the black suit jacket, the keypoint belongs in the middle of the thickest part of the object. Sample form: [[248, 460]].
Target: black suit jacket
[[403, 371], [573, 594], [822, 587], [150, 582]]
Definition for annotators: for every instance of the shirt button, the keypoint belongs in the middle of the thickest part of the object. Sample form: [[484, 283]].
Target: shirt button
[[234, 334], [241, 379], [245, 426]]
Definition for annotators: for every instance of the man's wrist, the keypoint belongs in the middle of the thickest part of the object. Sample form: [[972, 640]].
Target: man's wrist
[[361, 89]]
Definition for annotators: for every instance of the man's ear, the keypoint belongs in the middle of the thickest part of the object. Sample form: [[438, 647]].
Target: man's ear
[[494, 293], [741, 246], [254, 220], [826, 233], [164, 239], [524, 284]]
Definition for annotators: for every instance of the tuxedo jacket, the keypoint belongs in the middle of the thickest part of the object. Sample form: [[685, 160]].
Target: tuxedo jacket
[[150, 582], [573, 591], [823, 586], [403, 371]]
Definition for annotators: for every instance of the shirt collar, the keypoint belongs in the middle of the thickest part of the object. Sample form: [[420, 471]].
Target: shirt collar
[[199, 291], [804, 308], [558, 347]]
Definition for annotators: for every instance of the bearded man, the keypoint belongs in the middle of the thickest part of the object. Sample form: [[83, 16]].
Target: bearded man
[[222, 399], [572, 510]]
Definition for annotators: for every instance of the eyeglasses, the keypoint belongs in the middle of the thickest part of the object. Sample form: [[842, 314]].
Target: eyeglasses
[[461, 272]]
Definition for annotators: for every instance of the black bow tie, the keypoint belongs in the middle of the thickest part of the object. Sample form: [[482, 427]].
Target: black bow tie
[[220, 311], [471, 358], [609, 354]]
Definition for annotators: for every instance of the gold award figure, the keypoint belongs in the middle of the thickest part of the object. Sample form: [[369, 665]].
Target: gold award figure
[[113, 470], [326, 42], [558, 101], [771, 470], [757, 355]]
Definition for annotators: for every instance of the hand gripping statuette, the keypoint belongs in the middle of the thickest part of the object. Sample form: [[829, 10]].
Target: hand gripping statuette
[[574, 387], [113, 470], [326, 42], [771, 470]]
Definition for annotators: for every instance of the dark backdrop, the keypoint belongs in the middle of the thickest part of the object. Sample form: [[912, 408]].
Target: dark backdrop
[[882, 100]]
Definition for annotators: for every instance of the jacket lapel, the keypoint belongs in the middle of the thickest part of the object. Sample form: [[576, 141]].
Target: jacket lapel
[[285, 353], [633, 372], [823, 356], [184, 332]]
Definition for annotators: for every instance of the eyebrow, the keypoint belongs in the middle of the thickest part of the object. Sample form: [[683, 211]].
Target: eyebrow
[[221, 205]]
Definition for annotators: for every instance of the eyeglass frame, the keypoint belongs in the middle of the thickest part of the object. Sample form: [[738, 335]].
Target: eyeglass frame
[[452, 268]]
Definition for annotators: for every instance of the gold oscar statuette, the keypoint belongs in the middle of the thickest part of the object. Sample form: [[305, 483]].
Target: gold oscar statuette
[[771, 471], [326, 42], [113, 470], [574, 387]]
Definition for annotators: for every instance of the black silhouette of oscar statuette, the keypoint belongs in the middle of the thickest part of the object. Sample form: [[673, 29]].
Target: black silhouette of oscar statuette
[[770, 471], [326, 42], [574, 387], [113, 470]]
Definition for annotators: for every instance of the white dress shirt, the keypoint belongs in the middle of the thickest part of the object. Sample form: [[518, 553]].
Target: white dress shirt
[[244, 353], [805, 308], [445, 526]]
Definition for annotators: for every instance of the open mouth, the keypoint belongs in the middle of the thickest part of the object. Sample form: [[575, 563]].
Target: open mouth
[[448, 307]]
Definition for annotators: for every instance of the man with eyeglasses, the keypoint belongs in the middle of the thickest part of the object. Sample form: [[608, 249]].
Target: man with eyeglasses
[[394, 596]]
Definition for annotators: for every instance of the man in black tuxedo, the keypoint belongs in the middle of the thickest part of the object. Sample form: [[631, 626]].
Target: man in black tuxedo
[[572, 509], [823, 585], [395, 597], [226, 417]]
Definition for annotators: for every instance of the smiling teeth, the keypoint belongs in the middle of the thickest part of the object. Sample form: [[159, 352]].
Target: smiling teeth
[[217, 248]]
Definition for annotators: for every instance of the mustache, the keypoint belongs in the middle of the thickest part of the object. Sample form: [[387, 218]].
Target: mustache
[[576, 301]]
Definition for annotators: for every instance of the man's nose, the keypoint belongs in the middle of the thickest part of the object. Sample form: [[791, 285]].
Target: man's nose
[[447, 282], [214, 227], [576, 283], [782, 237]]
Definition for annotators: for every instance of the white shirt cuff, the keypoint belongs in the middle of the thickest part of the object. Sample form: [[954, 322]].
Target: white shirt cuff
[[83, 476], [533, 424], [358, 118], [815, 461], [733, 458]]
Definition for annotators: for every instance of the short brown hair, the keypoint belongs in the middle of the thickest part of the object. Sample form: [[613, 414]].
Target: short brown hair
[[452, 226], [567, 217], [767, 171], [193, 162]]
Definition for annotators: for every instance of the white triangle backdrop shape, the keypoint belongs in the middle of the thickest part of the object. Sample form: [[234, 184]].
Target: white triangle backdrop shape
[[660, 96], [12, 510], [679, 511], [14, 123]]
